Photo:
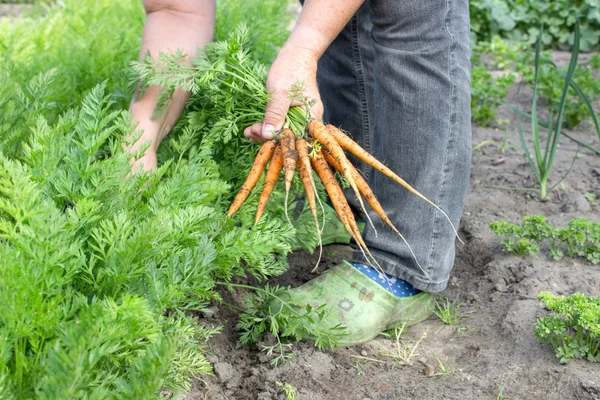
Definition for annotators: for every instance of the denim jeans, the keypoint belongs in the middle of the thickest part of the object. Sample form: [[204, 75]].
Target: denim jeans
[[397, 79]]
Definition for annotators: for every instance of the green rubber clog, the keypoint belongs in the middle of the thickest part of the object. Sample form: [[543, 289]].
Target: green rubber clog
[[361, 305]]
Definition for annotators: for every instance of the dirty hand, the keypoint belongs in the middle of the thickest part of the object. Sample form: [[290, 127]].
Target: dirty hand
[[293, 65]]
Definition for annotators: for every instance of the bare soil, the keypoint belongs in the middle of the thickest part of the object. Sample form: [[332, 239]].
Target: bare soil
[[492, 353]]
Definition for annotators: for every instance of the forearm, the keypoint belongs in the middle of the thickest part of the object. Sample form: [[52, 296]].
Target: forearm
[[319, 24], [170, 25]]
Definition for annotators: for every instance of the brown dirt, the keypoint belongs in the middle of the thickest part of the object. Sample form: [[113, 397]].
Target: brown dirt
[[493, 350]]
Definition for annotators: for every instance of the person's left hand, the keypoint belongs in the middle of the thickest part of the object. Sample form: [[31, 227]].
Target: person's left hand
[[291, 66]]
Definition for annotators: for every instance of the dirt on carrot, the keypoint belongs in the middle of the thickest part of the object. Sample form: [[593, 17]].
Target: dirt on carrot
[[260, 162], [272, 175]]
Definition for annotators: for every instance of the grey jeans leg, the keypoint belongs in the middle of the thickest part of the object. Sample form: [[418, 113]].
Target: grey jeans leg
[[397, 78]]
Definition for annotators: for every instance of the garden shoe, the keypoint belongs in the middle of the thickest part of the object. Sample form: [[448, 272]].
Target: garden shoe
[[361, 304]]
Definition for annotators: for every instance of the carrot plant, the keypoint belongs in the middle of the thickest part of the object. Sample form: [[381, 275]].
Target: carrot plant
[[102, 283]]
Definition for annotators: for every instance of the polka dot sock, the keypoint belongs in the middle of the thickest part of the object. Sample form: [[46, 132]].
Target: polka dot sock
[[395, 286]]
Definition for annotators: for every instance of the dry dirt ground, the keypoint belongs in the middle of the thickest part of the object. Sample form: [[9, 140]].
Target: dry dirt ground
[[492, 353]]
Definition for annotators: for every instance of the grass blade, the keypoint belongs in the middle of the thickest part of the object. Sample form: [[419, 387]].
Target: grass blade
[[570, 168]]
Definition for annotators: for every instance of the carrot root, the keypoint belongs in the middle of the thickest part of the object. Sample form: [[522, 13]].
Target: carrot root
[[305, 172], [272, 175], [345, 142], [340, 204], [368, 194], [262, 158], [290, 156], [323, 134]]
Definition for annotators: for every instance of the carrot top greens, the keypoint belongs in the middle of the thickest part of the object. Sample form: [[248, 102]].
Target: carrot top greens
[[231, 77]]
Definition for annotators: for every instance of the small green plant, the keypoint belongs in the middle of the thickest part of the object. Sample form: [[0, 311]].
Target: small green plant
[[576, 109], [591, 197], [289, 390], [501, 145], [443, 369], [580, 239], [522, 240], [401, 353], [272, 309], [501, 395], [463, 330], [573, 329], [487, 93], [448, 311], [359, 369]]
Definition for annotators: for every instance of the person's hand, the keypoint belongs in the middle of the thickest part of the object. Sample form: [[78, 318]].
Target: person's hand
[[293, 65]]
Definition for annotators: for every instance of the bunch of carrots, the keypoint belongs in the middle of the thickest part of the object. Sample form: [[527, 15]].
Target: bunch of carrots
[[327, 144]]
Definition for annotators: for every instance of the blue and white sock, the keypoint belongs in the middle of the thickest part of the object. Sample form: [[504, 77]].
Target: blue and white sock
[[395, 286]]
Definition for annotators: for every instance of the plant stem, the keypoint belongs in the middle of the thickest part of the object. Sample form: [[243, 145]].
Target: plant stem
[[233, 306], [543, 192]]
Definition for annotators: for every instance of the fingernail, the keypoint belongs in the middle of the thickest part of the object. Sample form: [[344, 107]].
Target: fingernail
[[268, 132]]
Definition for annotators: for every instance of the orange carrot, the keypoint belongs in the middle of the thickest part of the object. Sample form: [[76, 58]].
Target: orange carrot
[[272, 175], [305, 171], [363, 187], [290, 156], [362, 154], [262, 158], [339, 202], [368, 194], [324, 136], [306, 176]]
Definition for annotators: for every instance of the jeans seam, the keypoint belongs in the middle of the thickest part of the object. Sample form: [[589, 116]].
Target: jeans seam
[[360, 78], [445, 174]]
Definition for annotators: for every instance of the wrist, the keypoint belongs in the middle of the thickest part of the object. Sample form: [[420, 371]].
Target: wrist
[[305, 43]]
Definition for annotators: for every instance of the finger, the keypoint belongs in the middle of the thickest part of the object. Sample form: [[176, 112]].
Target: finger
[[277, 109], [254, 133], [317, 110]]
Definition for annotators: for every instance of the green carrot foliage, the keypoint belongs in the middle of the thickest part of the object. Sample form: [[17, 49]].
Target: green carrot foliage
[[103, 274]]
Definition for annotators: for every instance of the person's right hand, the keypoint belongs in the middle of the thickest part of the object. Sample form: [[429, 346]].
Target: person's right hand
[[293, 65]]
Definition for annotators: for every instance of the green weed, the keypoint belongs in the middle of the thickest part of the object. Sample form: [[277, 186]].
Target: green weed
[[443, 368], [287, 389], [448, 311]]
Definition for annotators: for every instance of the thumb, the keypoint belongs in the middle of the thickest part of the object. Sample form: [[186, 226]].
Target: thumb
[[277, 108]]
